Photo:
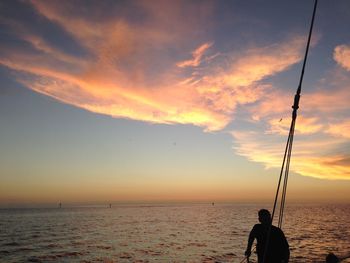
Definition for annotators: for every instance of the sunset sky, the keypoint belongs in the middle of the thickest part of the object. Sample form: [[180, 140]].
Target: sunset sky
[[118, 101]]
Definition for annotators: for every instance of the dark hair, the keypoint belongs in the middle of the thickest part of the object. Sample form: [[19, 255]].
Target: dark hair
[[264, 213], [264, 216]]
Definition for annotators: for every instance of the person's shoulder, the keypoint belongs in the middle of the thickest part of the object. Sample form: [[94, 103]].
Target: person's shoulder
[[275, 227], [276, 230], [257, 227]]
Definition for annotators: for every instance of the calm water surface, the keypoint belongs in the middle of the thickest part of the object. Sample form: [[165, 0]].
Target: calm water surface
[[164, 233]]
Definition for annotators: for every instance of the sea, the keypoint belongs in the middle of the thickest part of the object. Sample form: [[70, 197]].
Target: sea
[[165, 232]]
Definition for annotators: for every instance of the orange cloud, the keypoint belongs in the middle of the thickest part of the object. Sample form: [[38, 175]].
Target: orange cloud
[[342, 56], [318, 107], [309, 157], [321, 133], [304, 125], [340, 129], [259, 63], [130, 73], [118, 78], [197, 56]]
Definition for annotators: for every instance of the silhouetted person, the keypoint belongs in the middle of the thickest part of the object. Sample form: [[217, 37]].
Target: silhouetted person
[[277, 249], [331, 258]]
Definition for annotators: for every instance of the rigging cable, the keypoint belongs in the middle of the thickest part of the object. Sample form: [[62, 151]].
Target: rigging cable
[[289, 144]]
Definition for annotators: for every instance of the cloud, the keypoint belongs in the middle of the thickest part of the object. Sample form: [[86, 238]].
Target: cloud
[[340, 129], [321, 133], [197, 56], [342, 56], [311, 156], [262, 62], [130, 68], [304, 125], [130, 73]]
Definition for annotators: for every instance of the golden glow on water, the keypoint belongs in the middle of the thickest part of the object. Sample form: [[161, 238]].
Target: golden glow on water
[[166, 232]]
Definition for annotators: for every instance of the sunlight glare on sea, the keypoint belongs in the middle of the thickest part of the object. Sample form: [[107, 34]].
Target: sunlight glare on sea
[[164, 233]]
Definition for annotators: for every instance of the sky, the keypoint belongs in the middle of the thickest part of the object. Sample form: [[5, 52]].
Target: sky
[[156, 101]]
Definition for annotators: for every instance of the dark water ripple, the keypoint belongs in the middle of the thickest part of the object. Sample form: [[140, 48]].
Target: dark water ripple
[[183, 233]]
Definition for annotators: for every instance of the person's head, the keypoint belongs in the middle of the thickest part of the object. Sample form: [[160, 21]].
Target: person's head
[[331, 258], [264, 216]]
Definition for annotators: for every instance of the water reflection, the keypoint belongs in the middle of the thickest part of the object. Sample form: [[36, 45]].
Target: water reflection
[[176, 233]]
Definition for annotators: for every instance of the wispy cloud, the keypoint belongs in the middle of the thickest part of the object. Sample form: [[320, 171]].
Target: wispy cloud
[[262, 62], [132, 70], [342, 56], [340, 129], [130, 74], [312, 156], [322, 130], [305, 125], [197, 56]]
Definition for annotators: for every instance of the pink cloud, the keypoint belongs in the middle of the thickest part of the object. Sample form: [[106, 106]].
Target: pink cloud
[[340, 129], [304, 125], [321, 131], [259, 63], [309, 156], [116, 80], [197, 56], [342, 56], [130, 74]]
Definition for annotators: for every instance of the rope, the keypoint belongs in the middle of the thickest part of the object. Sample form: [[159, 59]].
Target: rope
[[244, 259], [286, 174], [294, 117], [289, 145], [247, 258]]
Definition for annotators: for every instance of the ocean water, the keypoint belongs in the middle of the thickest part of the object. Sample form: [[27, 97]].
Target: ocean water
[[164, 233]]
